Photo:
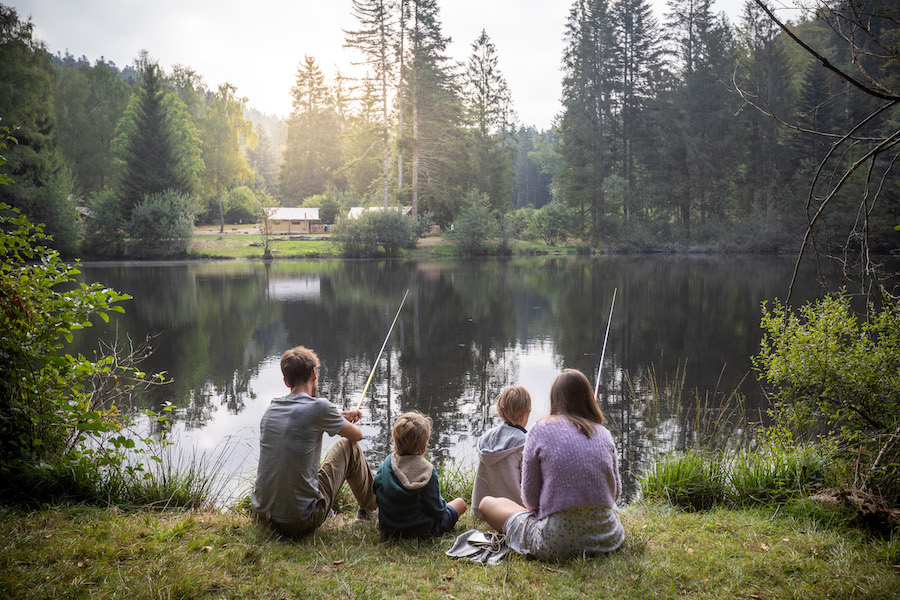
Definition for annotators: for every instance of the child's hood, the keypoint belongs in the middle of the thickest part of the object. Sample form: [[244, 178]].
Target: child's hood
[[412, 470], [500, 442]]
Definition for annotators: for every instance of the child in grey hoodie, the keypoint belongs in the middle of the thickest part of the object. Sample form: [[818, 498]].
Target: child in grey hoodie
[[500, 450]]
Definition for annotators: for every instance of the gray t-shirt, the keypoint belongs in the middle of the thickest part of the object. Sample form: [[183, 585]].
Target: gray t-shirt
[[290, 451]]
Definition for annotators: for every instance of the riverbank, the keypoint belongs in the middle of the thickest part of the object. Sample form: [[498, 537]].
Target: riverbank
[[246, 242], [764, 553]]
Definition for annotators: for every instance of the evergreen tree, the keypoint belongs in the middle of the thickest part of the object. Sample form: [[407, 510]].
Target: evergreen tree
[[703, 111], [312, 151], [363, 168], [433, 134], [765, 78], [263, 159], [532, 183], [585, 127], [158, 142], [376, 40], [490, 114], [639, 67], [40, 182]]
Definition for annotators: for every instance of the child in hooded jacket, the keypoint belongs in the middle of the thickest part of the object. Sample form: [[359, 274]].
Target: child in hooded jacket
[[407, 487], [500, 450]]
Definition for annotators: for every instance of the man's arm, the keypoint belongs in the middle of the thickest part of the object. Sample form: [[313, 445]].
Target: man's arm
[[351, 432]]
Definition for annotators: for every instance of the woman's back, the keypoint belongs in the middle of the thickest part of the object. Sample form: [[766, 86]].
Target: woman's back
[[563, 468]]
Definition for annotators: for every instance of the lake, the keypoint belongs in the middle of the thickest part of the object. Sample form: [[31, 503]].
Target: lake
[[468, 328]]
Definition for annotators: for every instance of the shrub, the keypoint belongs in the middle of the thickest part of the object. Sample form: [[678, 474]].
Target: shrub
[[476, 227], [376, 233], [836, 376], [242, 205], [552, 223], [104, 233], [162, 224], [57, 409]]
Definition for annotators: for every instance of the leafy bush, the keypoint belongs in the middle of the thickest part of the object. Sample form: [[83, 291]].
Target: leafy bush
[[476, 226], [834, 375], [55, 408], [518, 222], [241, 205], [552, 223], [162, 224], [376, 233], [104, 234]]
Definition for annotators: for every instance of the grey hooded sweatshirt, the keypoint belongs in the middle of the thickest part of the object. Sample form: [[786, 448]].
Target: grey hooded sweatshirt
[[499, 466]]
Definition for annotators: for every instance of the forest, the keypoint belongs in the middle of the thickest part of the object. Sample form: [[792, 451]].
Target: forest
[[683, 133]]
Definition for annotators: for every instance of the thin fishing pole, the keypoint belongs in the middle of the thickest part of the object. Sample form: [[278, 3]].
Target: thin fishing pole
[[605, 339], [386, 338]]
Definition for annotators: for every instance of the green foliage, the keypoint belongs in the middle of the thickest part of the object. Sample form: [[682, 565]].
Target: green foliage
[[690, 480], [552, 223], [162, 224], [42, 182], [88, 101], [241, 205], [104, 233], [376, 233], [775, 474], [518, 221], [329, 206], [476, 226], [157, 141], [56, 408], [834, 374]]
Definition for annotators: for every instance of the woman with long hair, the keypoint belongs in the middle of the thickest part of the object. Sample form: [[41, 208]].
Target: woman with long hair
[[570, 481]]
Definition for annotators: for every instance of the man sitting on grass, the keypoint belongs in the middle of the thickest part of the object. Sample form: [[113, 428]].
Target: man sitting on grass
[[294, 493]]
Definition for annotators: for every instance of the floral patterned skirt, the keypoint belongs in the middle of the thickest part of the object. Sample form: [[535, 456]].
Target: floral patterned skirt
[[567, 533]]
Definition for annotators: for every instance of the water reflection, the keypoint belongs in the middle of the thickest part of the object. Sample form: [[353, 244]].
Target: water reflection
[[468, 329]]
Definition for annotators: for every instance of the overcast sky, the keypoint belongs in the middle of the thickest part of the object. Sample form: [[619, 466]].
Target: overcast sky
[[257, 45]]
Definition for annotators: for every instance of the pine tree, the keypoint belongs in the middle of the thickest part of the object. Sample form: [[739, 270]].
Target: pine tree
[[702, 109], [157, 145], [376, 40], [489, 108], [585, 127], [765, 78], [433, 134], [40, 185], [312, 151], [639, 66]]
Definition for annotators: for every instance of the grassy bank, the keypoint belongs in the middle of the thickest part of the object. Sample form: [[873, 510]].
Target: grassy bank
[[243, 242], [78, 552]]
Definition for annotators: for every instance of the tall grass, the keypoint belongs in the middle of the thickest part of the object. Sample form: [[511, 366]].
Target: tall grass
[[688, 480], [719, 461], [774, 474]]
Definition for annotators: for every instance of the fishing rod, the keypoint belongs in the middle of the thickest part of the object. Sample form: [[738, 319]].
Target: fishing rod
[[605, 339], [375, 366]]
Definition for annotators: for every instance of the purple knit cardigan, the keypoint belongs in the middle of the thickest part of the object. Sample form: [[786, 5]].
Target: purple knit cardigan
[[562, 468]]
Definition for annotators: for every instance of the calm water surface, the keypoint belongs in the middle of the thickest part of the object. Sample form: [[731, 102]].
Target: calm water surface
[[468, 329]]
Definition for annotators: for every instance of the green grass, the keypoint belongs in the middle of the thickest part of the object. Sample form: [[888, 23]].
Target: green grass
[[80, 552], [238, 245], [209, 243], [689, 480]]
